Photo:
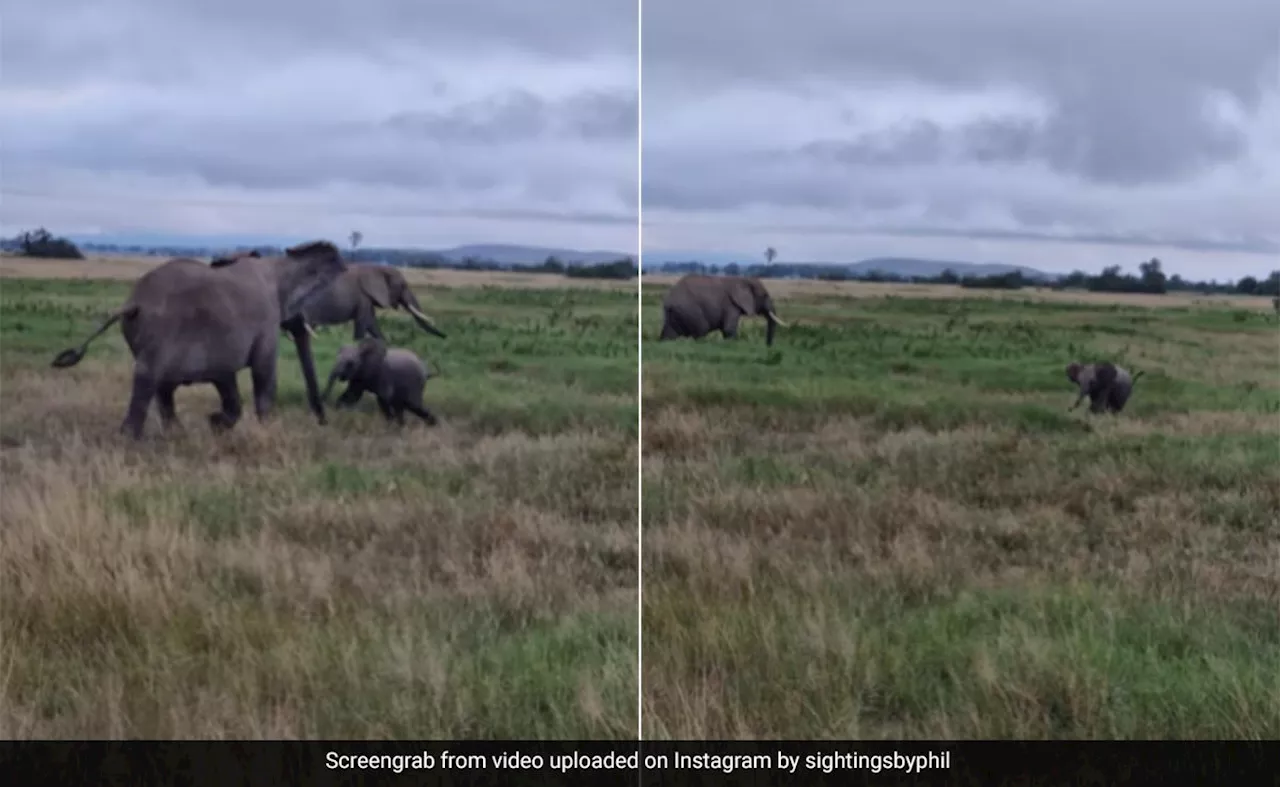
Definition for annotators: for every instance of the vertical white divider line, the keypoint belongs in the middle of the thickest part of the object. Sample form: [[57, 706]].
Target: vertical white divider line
[[639, 381]]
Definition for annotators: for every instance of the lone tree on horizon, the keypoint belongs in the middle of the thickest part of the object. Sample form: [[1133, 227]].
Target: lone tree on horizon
[[356, 236], [769, 255]]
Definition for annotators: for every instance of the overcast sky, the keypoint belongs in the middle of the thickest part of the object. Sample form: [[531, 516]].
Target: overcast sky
[[419, 123], [1059, 135]]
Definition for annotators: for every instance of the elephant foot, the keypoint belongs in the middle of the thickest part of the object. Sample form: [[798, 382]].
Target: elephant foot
[[220, 422]]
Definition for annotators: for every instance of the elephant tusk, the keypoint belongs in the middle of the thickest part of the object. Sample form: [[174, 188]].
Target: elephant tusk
[[775, 318], [427, 321], [420, 315], [311, 330]]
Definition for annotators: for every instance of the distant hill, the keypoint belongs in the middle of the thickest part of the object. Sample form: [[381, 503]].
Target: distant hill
[[905, 267], [501, 253], [910, 266], [510, 254]]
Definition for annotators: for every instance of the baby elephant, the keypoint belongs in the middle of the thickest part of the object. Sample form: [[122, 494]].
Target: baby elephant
[[1108, 386], [396, 376]]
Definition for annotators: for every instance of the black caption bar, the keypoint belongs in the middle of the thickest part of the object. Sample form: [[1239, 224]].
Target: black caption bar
[[276, 763]]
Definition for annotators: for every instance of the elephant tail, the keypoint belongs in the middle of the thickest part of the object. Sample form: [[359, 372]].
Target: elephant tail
[[1136, 376], [72, 356]]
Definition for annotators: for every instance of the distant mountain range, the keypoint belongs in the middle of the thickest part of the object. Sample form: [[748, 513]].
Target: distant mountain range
[[518, 254], [503, 253], [910, 266], [905, 267]]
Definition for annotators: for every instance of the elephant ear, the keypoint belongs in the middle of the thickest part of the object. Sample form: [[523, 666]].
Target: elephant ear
[[740, 296], [373, 282], [371, 353]]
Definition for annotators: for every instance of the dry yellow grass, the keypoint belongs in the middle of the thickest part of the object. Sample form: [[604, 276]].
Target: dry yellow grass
[[128, 268]]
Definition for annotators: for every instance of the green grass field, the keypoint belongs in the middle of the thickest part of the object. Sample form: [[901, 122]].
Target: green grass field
[[347, 581], [889, 526]]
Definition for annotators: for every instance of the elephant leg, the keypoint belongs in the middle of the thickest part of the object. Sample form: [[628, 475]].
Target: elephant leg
[[729, 328], [694, 324], [423, 413], [350, 396], [263, 372], [1098, 402], [1119, 396], [397, 412], [229, 392], [677, 324], [366, 323], [668, 327], [144, 388], [164, 403], [385, 407]]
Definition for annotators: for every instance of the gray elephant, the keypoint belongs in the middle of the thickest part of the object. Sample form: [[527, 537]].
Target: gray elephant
[[395, 376], [697, 305], [218, 262], [189, 322], [359, 293], [1108, 386]]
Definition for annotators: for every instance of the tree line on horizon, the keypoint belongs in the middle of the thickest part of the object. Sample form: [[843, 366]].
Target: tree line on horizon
[[1150, 278], [42, 243]]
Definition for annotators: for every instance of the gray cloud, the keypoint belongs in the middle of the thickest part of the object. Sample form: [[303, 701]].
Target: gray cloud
[[1087, 122], [521, 115], [495, 111]]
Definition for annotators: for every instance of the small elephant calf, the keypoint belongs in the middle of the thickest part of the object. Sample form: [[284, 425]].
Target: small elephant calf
[[1108, 386], [396, 376]]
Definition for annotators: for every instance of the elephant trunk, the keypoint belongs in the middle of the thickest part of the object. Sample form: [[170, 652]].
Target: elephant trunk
[[333, 378], [771, 317]]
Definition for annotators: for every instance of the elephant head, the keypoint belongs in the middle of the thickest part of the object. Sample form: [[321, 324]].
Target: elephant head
[[361, 362], [387, 288], [749, 295], [303, 272]]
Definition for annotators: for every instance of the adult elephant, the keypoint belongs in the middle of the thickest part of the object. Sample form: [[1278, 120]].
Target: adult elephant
[[358, 293], [189, 322], [697, 305]]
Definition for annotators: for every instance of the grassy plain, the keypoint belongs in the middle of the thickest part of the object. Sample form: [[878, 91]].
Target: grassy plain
[[352, 580], [888, 526]]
